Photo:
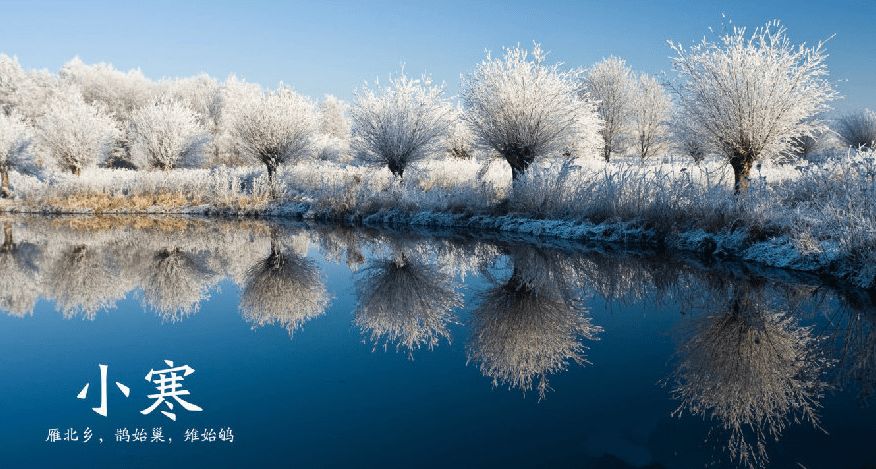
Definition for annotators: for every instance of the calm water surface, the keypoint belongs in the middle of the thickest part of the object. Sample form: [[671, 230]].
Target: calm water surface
[[327, 346]]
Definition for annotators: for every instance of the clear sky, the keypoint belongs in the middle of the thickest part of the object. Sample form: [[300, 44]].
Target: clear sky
[[333, 46]]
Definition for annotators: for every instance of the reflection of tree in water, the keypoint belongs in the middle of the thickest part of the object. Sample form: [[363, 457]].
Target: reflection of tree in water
[[83, 281], [532, 325], [283, 288], [19, 276], [405, 302], [750, 368], [174, 282], [855, 329]]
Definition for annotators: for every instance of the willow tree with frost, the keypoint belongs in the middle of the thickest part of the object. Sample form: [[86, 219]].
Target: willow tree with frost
[[748, 97], [525, 109]]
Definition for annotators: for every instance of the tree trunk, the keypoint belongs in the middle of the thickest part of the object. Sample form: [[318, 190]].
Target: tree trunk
[[271, 170], [519, 161], [741, 164], [397, 169], [606, 153], [7, 237], [4, 189], [76, 170]]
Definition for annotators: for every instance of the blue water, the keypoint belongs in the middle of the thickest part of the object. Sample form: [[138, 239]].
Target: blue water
[[527, 353]]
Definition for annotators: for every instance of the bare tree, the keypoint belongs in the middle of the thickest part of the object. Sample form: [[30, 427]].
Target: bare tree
[[524, 109], [610, 84], [749, 96]]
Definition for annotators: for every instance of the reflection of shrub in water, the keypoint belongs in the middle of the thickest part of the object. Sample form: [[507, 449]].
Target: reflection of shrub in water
[[283, 288], [531, 326], [751, 369], [19, 277], [405, 302], [175, 282], [83, 282]]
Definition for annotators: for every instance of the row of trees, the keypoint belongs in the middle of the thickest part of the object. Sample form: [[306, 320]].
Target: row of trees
[[743, 96]]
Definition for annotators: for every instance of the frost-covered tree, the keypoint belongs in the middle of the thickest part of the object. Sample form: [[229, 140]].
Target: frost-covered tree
[[524, 109], [405, 302], [276, 128], [234, 95], [201, 94], [857, 129], [24, 92], [119, 93], [15, 140], [460, 139], [76, 134], [611, 84], [652, 111], [334, 130], [748, 95], [401, 122], [166, 135]]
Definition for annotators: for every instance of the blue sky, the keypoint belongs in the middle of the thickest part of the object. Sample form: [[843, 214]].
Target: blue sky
[[333, 46]]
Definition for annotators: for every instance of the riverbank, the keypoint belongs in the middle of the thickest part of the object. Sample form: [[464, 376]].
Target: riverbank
[[811, 218]]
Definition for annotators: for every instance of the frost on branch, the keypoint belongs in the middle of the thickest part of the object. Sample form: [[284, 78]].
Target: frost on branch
[[333, 143], [76, 134], [166, 135], [611, 86], [651, 114], [15, 141], [276, 128], [857, 129], [749, 96], [525, 109], [401, 122]]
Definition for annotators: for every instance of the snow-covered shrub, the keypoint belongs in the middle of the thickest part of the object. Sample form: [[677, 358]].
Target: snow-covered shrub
[[524, 109], [611, 85], [401, 122], [652, 110], [15, 141], [166, 135], [276, 128], [77, 135], [857, 129], [748, 96]]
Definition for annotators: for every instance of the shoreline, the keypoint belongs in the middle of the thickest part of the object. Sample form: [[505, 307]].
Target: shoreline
[[774, 252]]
